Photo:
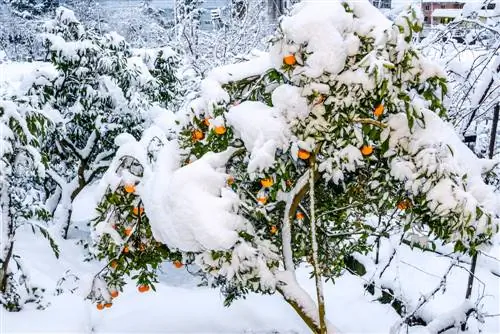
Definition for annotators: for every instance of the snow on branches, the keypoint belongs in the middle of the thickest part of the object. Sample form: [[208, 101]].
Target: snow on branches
[[285, 158]]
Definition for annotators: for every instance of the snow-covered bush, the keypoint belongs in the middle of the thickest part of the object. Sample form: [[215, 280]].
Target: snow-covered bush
[[31, 8], [467, 49], [96, 91], [22, 199], [285, 159]]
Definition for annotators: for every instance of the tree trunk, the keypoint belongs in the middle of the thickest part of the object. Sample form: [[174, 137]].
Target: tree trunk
[[314, 242], [5, 267], [307, 320]]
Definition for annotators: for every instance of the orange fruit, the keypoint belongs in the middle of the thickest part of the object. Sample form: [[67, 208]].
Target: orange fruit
[[128, 231], [114, 293], [142, 247], [114, 264], [262, 200], [143, 288], [267, 182], [230, 181], [108, 305], [129, 188], [366, 150], [197, 135], [220, 130], [404, 204], [379, 110], [100, 306], [290, 60], [299, 215], [178, 264], [303, 154], [289, 183], [206, 121], [274, 229], [137, 211]]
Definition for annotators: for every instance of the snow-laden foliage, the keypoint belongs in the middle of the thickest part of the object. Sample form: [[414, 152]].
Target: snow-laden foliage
[[468, 50], [31, 8], [285, 159], [22, 198], [96, 90]]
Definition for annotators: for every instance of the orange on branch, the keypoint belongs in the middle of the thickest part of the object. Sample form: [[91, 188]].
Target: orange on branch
[[197, 135], [404, 204], [299, 215], [366, 150], [178, 264], [379, 110], [290, 60], [128, 231], [220, 130], [114, 264], [108, 305], [206, 121], [267, 182], [114, 293], [143, 288], [274, 229], [262, 200], [138, 211], [100, 307], [129, 188], [230, 180], [303, 154]]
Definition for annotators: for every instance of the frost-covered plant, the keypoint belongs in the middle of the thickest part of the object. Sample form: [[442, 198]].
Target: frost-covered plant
[[30, 9], [22, 199], [468, 50], [96, 91], [285, 159]]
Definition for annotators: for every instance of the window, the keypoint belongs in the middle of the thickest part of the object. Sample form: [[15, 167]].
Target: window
[[426, 19], [443, 5], [427, 7]]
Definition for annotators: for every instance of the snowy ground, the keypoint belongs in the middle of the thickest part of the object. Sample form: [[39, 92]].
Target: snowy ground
[[179, 306]]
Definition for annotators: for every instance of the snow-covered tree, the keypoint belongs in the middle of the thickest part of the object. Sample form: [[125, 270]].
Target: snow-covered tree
[[468, 49], [187, 17], [31, 8], [96, 91], [285, 160], [22, 198]]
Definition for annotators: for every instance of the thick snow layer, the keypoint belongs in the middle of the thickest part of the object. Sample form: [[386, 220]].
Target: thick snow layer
[[327, 53], [191, 208], [235, 72], [261, 130], [438, 149]]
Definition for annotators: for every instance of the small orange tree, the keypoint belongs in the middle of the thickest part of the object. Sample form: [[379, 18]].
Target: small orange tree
[[285, 159]]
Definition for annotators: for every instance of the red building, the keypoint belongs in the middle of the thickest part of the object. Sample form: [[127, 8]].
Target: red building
[[442, 11]]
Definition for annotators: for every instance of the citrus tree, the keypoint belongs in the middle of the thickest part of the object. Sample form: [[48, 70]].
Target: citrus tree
[[284, 160]]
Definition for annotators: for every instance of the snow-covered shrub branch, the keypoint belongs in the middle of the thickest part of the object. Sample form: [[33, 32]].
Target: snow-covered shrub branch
[[284, 159]]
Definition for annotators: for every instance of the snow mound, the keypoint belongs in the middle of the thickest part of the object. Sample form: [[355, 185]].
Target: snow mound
[[191, 208], [261, 131]]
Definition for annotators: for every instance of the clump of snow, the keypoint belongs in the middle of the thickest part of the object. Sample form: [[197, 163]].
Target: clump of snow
[[190, 208], [261, 131], [288, 100]]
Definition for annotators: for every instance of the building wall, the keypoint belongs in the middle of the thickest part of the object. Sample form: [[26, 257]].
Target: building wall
[[429, 7]]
